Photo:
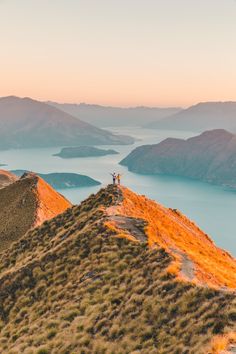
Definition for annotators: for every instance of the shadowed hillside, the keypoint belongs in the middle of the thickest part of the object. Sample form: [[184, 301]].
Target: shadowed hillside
[[88, 281], [27, 203], [200, 117], [103, 116], [27, 123], [209, 157]]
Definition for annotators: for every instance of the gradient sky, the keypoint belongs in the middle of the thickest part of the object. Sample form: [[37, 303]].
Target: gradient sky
[[119, 52]]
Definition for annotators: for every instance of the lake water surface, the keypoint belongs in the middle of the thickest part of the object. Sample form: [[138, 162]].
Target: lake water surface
[[213, 208]]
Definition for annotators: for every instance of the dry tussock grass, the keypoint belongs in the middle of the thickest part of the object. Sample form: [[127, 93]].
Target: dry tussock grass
[[73, 286], [171, 229]]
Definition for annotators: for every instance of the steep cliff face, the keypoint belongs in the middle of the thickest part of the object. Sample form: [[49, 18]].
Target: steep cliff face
[[25, 204], [114, 274], [210, 157]]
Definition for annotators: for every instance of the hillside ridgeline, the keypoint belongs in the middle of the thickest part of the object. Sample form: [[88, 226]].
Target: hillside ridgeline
[[118, 273], [6, 178], [27, 123], [209, 157], [104, 116], [200, 117], [25, 204]]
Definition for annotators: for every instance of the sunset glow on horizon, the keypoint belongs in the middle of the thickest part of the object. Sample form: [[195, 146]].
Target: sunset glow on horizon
[[119, 52]]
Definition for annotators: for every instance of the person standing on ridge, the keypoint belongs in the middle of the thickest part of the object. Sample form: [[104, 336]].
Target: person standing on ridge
[[113, 177], [118, 177]]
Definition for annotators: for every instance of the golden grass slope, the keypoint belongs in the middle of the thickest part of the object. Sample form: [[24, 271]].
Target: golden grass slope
[[74, 285], [24, 204], [189, 245], [6, 178]]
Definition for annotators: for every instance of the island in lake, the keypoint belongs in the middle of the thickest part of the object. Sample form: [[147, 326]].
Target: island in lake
[[64, 180], [84, 151], [6, 178]]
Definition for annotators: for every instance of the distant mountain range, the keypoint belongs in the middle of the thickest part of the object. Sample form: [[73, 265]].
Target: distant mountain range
[[27, 123], [210, 157], [103, 116], [201, 117]]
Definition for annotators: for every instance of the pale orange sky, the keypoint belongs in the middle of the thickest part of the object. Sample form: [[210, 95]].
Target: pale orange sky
[[119, 52]]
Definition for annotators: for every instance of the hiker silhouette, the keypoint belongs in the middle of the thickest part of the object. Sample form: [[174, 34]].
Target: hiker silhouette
[[118, 177], [113, 177]]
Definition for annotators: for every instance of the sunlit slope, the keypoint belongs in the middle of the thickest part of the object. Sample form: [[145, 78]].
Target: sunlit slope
[[87, 281], [197, 256], [6, 178], [25, 204]]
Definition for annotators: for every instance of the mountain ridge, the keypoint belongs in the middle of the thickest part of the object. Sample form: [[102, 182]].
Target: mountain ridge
[[6, 178], [173, 231], [27, 123], [25, 204], [77, 284], [200, 117], [107, 116], [209, 157]]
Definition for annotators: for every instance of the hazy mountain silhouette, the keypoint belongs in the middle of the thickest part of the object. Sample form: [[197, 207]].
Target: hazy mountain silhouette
[[200, 117], [210, 157], [27, 123], [103, 116]]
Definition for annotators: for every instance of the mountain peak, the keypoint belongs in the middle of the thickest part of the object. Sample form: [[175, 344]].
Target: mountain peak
[[26, 203], [49, 202], [37, 124], [6, 178]]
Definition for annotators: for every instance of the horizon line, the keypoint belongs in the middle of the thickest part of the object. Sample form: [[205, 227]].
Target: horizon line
[[48, 101]]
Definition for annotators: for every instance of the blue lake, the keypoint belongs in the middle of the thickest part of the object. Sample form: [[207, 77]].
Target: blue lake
[[211, 207]]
